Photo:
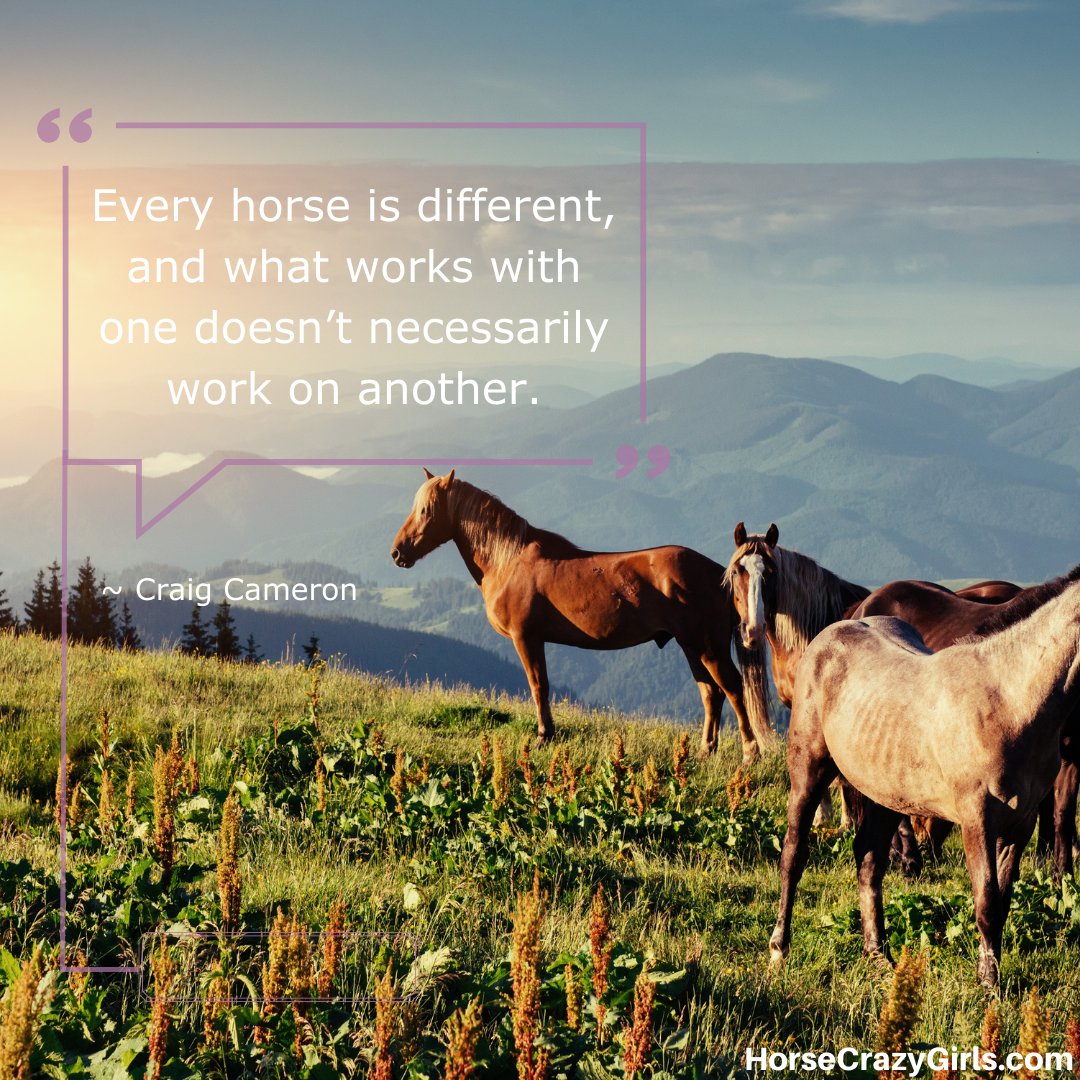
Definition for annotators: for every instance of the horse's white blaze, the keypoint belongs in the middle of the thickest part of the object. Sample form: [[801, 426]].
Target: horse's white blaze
[[755, 594]]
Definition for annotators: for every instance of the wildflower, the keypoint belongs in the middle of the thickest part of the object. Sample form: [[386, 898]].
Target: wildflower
[[79, 981], [600, 945], [104, 744], [129, 808], [650, 782], [167, 766], [397, 781], [301, 979], [525, 764], [500, 775], [320, 784], [61, 772], [20, 1014], [191, 775], [570, 777], [1034, 1032], [228, 863], [638, 1035], [462, 1033], [738, 789], [377, 742], [551, 786], [215, 1002], [331, 947], [382, 1061], [990, 1042], [1072, 1043], [679, 756], [161, 966], [525, 979], [274, 974], [900, 1010], [573, 998], [106, 806], [73, 807]]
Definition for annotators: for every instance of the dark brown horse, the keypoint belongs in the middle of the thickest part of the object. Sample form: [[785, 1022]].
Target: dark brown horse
[[943, 618], [973, 737], [539, 587]]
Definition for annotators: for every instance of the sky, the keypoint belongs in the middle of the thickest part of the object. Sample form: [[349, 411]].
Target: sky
[[826, 177]]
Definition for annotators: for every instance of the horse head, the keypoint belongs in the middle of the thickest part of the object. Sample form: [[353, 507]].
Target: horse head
[[751, 575], [429, 523]]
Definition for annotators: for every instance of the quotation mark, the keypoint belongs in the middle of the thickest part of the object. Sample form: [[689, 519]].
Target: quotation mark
[[627, 457], [79, 129]]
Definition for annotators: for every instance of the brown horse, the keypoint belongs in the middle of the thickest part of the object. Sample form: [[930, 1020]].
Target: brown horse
[[943, 618], [972, 738], [539, 587]]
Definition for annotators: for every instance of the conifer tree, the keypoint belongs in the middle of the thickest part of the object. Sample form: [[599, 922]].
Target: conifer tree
[[311, 651], [195, 641], [8, 621], [43, 608], [226, 644], [54, 601], [127, 637], [251, 651]]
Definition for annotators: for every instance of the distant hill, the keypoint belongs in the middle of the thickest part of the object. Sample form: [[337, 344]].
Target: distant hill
[[879, 480]]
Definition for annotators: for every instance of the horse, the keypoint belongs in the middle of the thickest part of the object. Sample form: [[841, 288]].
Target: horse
[[942, 618], [786, 599], [973, 738], [539, 587]]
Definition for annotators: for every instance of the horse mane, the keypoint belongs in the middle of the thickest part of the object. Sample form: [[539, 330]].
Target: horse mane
[[1024, 604], [808, 598], [489, 525]]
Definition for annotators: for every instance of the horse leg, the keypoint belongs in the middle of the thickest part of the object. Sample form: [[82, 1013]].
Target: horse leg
[[532, 658], [710, 699], [905, 848], [872, 858], [1045, 845], [1065, 791], [725, 674], [981, 851], [1008, 860], [811, 772], [937, 832]]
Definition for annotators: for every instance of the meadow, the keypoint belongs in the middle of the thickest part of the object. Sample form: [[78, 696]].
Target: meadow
[[318, 874]]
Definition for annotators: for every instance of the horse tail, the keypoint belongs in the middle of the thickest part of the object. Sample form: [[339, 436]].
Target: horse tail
[[752, 663]]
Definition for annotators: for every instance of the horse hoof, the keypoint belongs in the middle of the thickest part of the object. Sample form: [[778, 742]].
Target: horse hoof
[[777, 952]]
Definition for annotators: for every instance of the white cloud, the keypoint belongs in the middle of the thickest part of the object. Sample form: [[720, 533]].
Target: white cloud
[[910, 11]]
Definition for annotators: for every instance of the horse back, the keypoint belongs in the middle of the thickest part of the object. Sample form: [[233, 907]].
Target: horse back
[[939, 615]]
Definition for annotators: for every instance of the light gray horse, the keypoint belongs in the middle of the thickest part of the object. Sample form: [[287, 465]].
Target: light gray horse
[[970, 734]]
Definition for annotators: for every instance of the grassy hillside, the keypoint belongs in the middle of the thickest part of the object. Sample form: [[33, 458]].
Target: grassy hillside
[[421, 810]]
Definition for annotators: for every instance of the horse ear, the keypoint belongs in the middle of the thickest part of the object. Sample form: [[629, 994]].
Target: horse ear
[[448, 479], [740, 534], [772, 535], [427, 472]]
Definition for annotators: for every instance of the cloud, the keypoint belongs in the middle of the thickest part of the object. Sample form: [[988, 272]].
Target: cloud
[[913, 12], [758, 87]]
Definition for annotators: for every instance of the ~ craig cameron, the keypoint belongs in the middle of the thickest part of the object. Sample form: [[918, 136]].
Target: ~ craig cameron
[[237, 588]]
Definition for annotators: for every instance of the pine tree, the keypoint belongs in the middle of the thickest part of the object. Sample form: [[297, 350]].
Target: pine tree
[[43, 608], [54, 602], [226, 643], [195, 641], [82, 605], [108, 632], [127, 637], [311, 651], [251, 651], [7, 616]]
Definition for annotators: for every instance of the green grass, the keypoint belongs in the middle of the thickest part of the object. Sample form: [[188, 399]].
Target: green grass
[[697, 904]]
